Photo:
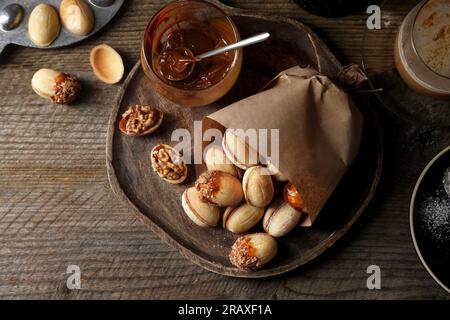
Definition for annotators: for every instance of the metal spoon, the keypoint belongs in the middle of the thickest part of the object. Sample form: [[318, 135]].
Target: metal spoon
[[243, 43], [10, 17], [102, 3], [188, 60]]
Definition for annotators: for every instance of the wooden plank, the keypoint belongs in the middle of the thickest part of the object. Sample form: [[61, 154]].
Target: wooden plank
[[56, 207]]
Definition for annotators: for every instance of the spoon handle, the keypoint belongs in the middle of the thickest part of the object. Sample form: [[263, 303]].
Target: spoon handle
[[252, 40]]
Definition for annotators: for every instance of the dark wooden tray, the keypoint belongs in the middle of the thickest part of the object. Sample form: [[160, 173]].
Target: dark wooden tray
[[158, 204]]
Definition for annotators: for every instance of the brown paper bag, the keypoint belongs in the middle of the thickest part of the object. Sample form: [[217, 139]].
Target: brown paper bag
[[319, 130]]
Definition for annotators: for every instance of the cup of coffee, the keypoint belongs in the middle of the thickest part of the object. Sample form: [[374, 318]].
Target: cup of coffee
[[422, 48]]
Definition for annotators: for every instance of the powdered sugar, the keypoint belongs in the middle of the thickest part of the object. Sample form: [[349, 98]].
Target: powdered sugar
[[435, 215]]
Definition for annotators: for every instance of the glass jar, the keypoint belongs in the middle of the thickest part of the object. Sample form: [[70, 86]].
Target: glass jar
[[199, 26], [422, 48]]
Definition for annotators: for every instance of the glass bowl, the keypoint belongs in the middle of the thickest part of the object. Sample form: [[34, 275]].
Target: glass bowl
[[200, 22]]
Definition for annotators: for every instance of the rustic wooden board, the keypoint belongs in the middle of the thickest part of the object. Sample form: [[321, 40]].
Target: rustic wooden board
[[57, 208], [158, 204]]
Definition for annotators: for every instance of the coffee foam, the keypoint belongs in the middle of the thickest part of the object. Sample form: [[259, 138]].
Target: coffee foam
[[431, 36]]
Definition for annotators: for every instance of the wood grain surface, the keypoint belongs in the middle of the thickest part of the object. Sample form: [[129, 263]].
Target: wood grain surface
[[163, 214], [56, 207]]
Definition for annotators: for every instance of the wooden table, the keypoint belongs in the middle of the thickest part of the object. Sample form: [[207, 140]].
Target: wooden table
[[57, 209]]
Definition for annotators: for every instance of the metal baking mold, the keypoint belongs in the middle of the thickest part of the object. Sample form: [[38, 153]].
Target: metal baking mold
[[19, 34]]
